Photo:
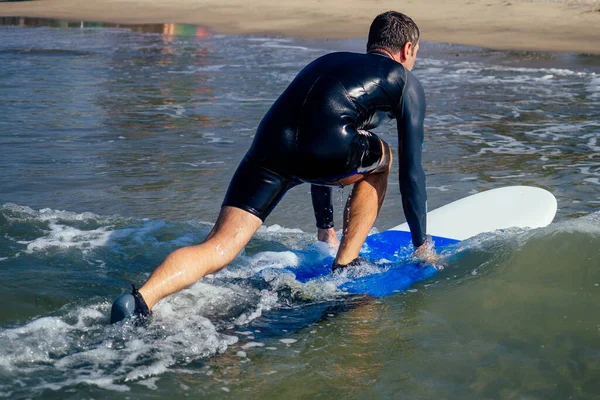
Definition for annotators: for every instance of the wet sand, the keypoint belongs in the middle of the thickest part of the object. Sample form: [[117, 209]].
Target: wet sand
[[548, 25]]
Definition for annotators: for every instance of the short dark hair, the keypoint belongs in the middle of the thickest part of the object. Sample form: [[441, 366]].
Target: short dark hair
[[391, 31]]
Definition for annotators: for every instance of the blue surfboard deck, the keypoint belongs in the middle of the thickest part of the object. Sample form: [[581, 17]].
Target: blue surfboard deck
[[390, 251]]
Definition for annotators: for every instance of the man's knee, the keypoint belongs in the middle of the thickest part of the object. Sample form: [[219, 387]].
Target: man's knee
[[234, 226]]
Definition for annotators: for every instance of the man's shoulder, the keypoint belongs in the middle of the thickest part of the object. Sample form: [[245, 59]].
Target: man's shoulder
[[343, 54], [357, 64], [412, 82], [335, 64]]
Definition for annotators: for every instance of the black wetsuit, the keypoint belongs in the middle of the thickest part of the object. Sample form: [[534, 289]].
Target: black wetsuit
[[318, 132]]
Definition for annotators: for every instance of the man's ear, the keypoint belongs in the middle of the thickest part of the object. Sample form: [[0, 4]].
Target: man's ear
[[407, 50]]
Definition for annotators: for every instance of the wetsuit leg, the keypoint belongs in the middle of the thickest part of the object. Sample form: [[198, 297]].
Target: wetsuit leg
[[256, 189], [321, 200]]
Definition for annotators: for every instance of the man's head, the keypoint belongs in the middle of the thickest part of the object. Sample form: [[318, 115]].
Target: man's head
[[396, 34]]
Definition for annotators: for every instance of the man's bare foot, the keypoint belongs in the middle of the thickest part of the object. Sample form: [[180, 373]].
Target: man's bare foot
[[328, 236], [426, 255]]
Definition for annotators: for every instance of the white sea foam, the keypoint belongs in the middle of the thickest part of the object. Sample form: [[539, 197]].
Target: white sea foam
[[268, 300], [593, 87], [282, 77], [563, 131], [80, 341], [252, 344], [271, 259], [24, 213], [518, 237], [584, 168], [267, 39], [443, 188], [509, 176], [150, 383], [172, 110], [587, 224], [545, 71], [242, 99], [67, 237], [209, 68], [431, 62], [278, 229], [431, 70], [91, 352], [471, 67], [592, 142], [280, 45], [202, 162], [547, 82], [507, 145]]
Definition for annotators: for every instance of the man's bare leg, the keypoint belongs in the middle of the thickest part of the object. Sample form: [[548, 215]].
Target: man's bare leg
[[232, 231], [362, 208]]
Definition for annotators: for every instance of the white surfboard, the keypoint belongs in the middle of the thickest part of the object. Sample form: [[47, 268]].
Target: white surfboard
[[502, 208]]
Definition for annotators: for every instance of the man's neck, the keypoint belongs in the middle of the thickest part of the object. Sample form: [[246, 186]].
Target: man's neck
[[381, 52]]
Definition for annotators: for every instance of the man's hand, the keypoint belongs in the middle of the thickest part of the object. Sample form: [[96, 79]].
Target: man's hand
[[328, 236], [426, 255]]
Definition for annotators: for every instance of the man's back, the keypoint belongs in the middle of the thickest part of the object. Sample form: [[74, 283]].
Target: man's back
[[336, 94]]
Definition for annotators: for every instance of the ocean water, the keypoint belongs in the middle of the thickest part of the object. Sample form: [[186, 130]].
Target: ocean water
[[117, 145]]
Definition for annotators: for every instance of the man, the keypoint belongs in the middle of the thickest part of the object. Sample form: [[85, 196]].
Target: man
[[318, 132]]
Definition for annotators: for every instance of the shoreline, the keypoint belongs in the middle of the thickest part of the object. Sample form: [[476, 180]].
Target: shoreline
[[558, 26]]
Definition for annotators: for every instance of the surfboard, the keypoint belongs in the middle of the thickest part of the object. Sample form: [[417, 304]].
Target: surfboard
[[389, 253]]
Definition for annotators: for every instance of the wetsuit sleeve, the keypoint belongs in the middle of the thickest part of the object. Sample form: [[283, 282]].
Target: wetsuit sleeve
[[321, 199], [410, 117]]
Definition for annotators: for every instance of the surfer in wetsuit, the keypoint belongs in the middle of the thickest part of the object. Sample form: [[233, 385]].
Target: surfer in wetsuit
[[317, 132]]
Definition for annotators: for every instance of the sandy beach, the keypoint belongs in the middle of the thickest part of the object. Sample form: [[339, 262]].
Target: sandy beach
[[548, 25]]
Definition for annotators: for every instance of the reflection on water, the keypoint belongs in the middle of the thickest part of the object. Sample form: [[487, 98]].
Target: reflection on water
[[164, 29], [144, 100]]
